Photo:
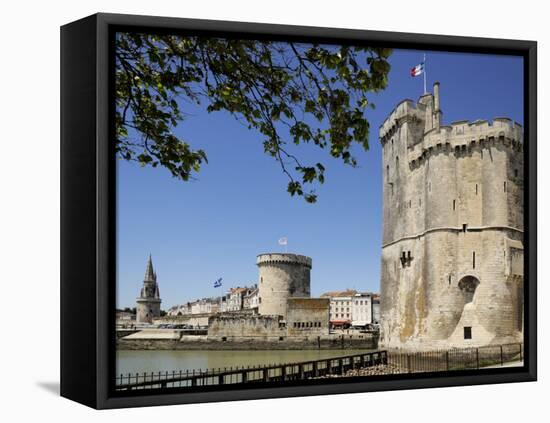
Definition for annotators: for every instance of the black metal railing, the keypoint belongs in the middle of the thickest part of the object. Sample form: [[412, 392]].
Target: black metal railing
[[453, 359], [251, 374], [370, 363]]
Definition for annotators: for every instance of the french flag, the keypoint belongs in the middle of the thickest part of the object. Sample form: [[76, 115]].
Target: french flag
[[417, 70]]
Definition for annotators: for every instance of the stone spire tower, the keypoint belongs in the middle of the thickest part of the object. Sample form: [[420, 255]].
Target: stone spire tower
[[148, 302]]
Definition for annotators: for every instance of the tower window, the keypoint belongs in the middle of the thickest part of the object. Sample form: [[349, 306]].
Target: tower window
[[454, 204], [449, 278], [516, 173], [464, 227], [504, 186], [467, 332], [388, 171], [476, 189], [473, 260]]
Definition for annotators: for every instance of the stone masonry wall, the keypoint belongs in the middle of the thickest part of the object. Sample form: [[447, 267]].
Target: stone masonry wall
[[243, 326], [308, 316]]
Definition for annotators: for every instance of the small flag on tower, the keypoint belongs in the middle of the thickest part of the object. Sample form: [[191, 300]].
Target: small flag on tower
[[417, 70], [283, 241], [218, 283]]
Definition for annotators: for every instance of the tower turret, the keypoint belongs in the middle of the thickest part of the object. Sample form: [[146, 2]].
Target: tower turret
[[148, 302], [282, 276]]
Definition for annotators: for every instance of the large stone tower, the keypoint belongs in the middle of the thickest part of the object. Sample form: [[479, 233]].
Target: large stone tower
[[148, 303], [452, 249], [282, 276]]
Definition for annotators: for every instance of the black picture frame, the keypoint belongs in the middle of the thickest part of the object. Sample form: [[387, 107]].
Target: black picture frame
[[88, 212]]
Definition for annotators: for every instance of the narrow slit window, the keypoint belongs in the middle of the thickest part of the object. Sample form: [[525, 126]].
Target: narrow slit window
[[449, 278], [473, 260], [454, 204], [476, 189], [504, 186], [464, 227], [467, 332]]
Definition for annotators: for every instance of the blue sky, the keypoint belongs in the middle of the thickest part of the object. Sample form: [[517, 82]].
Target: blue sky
[[238, 208]]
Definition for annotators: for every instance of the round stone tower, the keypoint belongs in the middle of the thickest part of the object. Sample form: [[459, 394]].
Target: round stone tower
[[282, 276]]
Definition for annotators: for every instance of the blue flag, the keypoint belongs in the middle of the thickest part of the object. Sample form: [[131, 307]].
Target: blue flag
[[218, 283]]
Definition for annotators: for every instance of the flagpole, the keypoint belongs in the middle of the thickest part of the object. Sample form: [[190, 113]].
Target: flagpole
[[425, 91]]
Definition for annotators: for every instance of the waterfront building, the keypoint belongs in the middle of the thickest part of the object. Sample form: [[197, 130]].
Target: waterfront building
[[251, 299], [340, 308], [361, 309], [235, 298]]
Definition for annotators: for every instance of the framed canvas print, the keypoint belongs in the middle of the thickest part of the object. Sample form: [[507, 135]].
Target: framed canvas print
[[259, 211]]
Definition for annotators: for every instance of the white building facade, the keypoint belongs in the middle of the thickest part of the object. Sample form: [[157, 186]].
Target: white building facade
[[361, 309], [351, 308]]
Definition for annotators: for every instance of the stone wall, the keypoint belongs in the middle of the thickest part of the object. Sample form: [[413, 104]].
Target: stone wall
[[453, 227], [245, 326], [332, 342], [308, 316], [189, 319]]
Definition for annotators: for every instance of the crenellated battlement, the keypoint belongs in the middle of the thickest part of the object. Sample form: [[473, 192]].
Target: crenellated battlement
[[462, 136], [406, 110], [285, 258]]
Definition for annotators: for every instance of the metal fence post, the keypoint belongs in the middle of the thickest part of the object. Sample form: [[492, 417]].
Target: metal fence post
[[408, 363], [447, 359], [477, 357], [501, 356]]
